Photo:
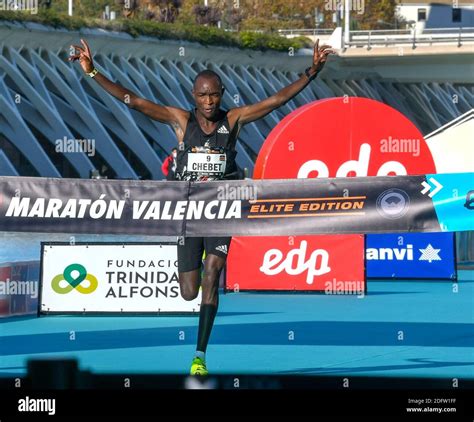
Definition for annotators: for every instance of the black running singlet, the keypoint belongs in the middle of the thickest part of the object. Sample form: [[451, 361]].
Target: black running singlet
[[204, 156]]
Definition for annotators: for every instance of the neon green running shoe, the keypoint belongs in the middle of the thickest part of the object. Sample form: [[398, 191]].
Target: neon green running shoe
[[198, 367]]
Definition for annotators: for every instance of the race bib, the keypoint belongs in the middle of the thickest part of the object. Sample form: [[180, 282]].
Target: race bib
[[208, 164]]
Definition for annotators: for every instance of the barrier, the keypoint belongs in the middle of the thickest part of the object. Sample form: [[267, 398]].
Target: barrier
[[119, 278], [428, 203], [305, 263], [410, 255], [18, 287]]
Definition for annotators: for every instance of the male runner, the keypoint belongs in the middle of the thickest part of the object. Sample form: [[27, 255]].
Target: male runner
[[206, 137]]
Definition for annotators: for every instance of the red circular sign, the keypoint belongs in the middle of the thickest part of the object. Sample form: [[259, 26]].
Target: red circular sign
[[345, 136]]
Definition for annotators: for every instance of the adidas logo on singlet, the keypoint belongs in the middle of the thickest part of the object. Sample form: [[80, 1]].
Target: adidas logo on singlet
[[222, 129], [222, 248]]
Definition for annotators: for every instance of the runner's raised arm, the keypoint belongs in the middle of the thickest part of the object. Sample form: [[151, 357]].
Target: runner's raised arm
[[247, 114], [164, 114]]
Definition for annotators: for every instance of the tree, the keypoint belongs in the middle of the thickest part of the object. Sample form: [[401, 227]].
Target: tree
[[377, 14], [207, 15], [169, 9], [233, 17], [45, 4], [130, 8]]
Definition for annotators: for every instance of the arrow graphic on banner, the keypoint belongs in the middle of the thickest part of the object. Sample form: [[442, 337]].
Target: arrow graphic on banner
[[427, 187]]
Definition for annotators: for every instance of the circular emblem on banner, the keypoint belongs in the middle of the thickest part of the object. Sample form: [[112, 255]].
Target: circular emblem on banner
[[470, 200], [393, 203]]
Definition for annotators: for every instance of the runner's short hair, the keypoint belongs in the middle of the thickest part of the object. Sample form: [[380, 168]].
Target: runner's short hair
[[207, 74]]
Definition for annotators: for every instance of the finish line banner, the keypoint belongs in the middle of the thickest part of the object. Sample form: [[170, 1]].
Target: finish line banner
[[440, 202]]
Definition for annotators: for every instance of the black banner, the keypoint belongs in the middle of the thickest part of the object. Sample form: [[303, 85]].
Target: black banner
[[224, 208]]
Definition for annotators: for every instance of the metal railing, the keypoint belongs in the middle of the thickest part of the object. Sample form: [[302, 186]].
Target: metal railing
[[394, 37], [411, 37], [323, 31], [432, 31]]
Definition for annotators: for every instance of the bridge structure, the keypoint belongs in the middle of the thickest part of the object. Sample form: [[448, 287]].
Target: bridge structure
[[45, 99]]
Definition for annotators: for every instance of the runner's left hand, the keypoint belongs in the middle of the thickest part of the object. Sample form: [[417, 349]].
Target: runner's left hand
[[320, 55]]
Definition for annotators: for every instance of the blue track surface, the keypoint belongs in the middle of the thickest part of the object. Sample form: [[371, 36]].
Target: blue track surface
[[400, 329]]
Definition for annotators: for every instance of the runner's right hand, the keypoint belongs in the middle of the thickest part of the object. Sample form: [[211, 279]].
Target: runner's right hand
[[84, 55]]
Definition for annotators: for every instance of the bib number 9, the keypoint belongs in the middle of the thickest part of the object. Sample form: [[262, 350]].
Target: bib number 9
[[207, 164]]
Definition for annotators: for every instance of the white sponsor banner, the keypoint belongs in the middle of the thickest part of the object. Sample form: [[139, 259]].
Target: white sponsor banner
[[452, 145], [112, 278]]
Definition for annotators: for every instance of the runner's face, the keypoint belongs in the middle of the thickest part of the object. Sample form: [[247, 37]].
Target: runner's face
[[207, 94]]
